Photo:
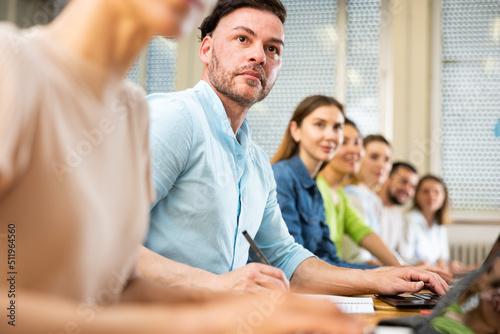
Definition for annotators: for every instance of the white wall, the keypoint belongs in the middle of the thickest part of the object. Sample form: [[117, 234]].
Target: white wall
[[477, 233]]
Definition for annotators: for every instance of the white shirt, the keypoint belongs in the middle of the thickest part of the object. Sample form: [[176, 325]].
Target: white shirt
[[393, 231], [371, 208], [425, 243]]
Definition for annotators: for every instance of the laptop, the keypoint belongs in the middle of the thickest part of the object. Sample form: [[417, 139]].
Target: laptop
[[474, 301], [428, 300]]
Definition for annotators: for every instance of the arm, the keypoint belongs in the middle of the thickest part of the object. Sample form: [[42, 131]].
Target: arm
[[316, 276], [364, 235], [17, 118], [318, 240], [280, 313], [252, 277], [286, 197], [377, 247]]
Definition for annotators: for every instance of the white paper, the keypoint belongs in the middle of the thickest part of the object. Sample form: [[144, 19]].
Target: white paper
[[358, 305]]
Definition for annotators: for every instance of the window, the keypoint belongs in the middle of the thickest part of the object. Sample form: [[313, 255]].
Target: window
[[155, 68], [309, 67], [317, 61], [470, 103]]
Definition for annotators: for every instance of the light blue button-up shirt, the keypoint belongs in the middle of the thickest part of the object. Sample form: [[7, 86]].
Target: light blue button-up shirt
[[210, 186]]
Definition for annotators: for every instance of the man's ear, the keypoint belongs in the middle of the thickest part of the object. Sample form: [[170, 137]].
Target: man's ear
[[206, 49], [295, 131]]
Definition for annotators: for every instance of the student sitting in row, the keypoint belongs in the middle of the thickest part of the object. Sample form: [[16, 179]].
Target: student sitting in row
[[313, 137], [361, 191], [212, 181], [426, 233], [342, 218]]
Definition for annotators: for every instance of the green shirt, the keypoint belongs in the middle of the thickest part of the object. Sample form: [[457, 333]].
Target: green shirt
[[446, 325], [342, 218]]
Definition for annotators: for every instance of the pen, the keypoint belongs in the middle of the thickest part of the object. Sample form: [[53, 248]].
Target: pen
[[255, 248]]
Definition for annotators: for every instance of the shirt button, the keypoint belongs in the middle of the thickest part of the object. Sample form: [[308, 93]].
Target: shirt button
[[239, 156]]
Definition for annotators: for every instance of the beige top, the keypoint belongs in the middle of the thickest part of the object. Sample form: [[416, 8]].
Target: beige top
[[74, 170]]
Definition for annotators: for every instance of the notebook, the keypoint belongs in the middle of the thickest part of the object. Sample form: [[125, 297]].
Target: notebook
[[359, 305], [472, 301]]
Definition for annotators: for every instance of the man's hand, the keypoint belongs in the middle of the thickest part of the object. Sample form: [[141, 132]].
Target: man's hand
[[398, 280], [254, 277], [444, 273]]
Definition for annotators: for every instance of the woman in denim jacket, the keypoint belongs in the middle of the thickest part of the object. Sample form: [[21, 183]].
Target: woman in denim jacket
[[312, 138]]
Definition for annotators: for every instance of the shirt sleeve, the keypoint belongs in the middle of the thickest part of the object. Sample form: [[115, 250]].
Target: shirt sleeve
[[409, 251], [353, 251], [445, 251], [355, 226], [357, 203], [171, 135], [330, 212], [274, 239], [287, 195], [328, 253], [17, 104]]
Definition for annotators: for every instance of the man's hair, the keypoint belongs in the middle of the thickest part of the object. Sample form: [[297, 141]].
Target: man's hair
[[396, 165], [225, 7]]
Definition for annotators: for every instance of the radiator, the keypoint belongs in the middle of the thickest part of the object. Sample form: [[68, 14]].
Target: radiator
[[469, 252]]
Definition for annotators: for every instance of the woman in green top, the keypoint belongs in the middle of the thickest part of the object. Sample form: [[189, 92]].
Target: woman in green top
[[341, 216]]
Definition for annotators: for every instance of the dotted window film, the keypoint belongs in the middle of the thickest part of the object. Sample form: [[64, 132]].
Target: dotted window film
[[470, 89], [363, 50], [160, 65], [308, 68], [162, 62]]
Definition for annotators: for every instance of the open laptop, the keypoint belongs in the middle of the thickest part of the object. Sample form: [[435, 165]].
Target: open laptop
[[428, 300], [474, 301]]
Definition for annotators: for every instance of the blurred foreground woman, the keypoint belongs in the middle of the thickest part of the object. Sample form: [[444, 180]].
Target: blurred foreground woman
[[75, 186]]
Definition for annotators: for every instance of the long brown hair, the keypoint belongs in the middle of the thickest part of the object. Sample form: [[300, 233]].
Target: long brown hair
[[443, 215], [289, 147]]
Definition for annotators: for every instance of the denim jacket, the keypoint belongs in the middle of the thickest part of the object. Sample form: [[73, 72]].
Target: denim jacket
[[303, 211]]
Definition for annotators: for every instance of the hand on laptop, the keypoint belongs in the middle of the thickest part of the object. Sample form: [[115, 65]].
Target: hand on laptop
[[394, 281], [255, 277], [444, 273]]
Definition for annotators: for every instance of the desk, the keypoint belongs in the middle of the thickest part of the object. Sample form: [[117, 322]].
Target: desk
[[384, 311]]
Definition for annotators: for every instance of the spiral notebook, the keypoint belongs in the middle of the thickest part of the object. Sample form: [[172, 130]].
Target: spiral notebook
[[359, 305]]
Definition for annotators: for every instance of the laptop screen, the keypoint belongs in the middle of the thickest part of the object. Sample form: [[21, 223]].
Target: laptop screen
[[477, 308]]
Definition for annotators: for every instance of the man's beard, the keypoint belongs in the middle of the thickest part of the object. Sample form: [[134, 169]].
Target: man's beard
[[221, 81], [392, 198]]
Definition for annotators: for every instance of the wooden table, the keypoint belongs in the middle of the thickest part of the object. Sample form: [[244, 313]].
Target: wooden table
[[384, 311]]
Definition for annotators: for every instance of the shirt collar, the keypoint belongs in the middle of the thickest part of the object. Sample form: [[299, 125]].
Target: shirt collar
[[302, 173], [244, 133]]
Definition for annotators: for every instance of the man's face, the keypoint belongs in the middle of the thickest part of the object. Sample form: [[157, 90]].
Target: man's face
[[244, 55], [402, 185]]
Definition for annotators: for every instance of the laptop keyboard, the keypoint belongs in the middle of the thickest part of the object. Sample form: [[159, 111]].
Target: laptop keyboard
[[426, 296]]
